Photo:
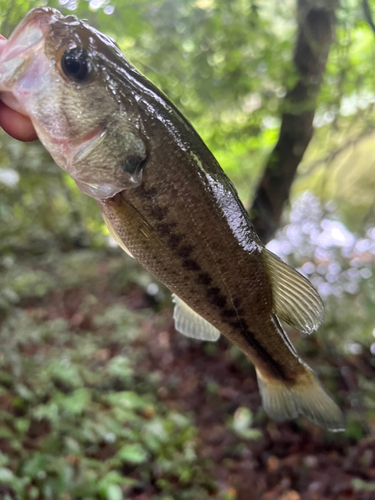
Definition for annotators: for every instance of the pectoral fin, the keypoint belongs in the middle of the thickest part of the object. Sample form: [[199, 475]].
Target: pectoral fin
[[295, 300], [114, 235], [189, 323]]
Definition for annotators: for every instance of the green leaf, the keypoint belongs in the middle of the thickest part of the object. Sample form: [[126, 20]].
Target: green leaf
[[128, 400], [6, 475], [36, 465], [133, 453], [3, 459], [77, 401], [22, 424], [5, 432], [241, 424], [359, 484], [114, 492]]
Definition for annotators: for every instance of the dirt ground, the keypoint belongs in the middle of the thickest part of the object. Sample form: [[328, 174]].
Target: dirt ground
[[289, 461]]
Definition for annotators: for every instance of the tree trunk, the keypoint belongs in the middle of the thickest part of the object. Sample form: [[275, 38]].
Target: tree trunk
[[316, 21]]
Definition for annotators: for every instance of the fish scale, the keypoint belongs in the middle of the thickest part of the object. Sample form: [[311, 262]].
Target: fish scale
[[166, 201], [219, 258]]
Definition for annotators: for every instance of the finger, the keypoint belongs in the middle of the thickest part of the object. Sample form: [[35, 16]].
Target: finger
[[16, 125], [3, 41]]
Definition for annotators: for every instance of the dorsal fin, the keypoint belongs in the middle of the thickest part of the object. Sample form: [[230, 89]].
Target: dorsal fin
[[115, 236], [295, 300], [189, 323]]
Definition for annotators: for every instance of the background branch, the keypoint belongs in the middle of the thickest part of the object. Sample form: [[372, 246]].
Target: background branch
[[368, 14], [332, 155], [316, 20]]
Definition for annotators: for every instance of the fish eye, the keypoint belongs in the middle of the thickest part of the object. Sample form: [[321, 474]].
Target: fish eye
[[75, 63]]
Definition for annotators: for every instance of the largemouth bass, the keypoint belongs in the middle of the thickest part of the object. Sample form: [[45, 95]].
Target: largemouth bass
[[166, 201]]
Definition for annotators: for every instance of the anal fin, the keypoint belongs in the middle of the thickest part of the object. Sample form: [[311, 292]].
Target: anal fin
[[189, 323]]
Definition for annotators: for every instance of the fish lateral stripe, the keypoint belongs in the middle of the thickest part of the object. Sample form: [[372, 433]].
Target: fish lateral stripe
[[165, 197], [259, 353]]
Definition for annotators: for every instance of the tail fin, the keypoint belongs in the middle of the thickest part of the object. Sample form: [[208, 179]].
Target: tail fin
[[307, 397]]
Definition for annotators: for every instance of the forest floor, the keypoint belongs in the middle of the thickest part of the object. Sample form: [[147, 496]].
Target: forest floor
[[246, 455]]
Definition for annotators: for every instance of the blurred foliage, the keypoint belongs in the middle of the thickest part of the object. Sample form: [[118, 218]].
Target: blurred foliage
[[341, 266], [227, 66], [79, 416]]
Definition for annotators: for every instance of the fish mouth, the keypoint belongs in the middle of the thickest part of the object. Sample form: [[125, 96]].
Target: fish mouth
[[24, 47]]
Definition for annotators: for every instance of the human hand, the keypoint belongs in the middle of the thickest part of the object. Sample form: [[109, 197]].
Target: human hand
[[16, 125]]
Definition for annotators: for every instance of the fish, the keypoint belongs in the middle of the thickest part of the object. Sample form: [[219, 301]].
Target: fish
[[166, 201]]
